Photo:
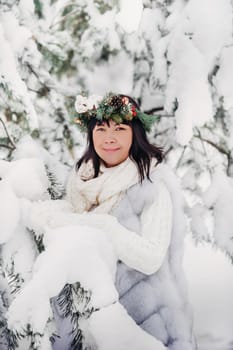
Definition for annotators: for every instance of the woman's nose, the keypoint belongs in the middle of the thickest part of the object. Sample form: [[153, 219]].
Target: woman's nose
[[110, 138]]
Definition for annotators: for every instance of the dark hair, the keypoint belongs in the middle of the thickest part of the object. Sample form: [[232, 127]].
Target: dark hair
[[141, 150]]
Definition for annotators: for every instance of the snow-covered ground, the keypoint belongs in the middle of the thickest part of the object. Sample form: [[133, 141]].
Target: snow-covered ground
[[210, 278]]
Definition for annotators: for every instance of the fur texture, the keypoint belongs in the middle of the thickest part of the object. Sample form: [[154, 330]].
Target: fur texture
[[159, 302]]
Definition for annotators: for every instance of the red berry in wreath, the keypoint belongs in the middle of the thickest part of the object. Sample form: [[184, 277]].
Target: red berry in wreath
[[133, 110]]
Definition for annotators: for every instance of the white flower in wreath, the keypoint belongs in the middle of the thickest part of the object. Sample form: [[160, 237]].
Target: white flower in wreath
[[81, 104], [84, 104]]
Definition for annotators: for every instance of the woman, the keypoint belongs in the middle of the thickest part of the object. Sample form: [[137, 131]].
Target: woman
[[119, 175]]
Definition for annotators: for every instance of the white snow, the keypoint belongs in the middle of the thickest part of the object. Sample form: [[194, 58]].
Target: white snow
[[29, 148], [113, 329], [212, 26], [106, 78], [224, 77], [210, 280], [200, 30], [10, 211], [130, 14], [11, 26], [21, 247], [27, 177], [84, 244], [150, 22], [8, 66], [27, 8], [219, 196], [193, 97]]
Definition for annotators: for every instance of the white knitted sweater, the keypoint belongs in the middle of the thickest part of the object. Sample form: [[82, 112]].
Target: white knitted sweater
[[144, 252]]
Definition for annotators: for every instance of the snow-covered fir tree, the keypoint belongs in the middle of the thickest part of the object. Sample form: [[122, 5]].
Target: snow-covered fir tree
[[174, 56]]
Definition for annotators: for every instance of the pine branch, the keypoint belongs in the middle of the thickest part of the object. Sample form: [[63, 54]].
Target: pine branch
[[56, 189], [168, 150], [154, 110], [14, 280], [6, 146], [34, 338], [163, 132], [159, 109], [8, 339], [39, 243], [66, 304], [74, 302], [220, 149], [63, 18], [13, 146], [181, 157], [38, 239], [45, 87]]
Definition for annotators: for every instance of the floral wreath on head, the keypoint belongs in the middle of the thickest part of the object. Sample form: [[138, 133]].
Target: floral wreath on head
[[116, 107]]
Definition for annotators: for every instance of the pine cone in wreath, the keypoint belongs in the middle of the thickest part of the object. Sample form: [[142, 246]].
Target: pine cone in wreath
[[116, 102]]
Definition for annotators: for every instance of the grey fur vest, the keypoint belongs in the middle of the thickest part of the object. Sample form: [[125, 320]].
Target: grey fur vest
[[158, 302]]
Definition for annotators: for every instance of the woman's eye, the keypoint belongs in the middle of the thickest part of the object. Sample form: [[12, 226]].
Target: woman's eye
[[100, 129], [119, 128]]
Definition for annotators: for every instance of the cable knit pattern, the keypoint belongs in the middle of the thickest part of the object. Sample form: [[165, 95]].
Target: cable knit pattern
[[146, 253]]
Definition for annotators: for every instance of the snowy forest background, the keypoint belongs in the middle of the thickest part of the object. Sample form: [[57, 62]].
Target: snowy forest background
[[176, 58]]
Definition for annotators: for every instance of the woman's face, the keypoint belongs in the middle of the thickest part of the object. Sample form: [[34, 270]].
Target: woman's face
[[112, 142]]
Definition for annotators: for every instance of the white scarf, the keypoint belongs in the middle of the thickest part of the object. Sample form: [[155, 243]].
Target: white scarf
[[101, 194]]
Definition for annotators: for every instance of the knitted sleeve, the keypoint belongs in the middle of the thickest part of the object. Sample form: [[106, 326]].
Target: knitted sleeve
[[146, 253]]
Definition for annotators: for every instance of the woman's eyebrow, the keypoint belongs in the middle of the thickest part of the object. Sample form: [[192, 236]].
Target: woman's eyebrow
[[101, 124]]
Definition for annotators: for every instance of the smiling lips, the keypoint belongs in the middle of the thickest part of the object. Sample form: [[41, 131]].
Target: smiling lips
[[111, 149]]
